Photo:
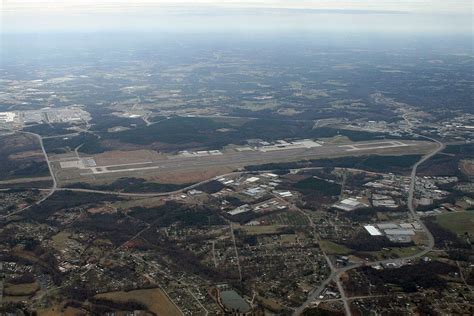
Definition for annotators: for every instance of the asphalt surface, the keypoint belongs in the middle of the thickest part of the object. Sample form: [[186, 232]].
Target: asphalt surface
[[55, 183], [253, 157], [336, 273], [235, 159]]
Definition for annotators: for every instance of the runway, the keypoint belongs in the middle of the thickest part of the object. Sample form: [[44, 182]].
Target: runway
[[162, 163]]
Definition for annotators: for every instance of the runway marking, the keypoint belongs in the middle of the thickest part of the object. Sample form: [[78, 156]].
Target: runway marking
[[370, 146], [125, 164], [95, 171]]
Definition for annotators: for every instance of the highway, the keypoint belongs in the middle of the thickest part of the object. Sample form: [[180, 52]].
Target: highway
[[124, 194], [168, 164], [411, 192], [55, 183], [337, 273], [40, 140]]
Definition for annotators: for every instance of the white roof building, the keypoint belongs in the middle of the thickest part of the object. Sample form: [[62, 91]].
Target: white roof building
[[7, 117], [348, 204], [372, 230], [252, 179]]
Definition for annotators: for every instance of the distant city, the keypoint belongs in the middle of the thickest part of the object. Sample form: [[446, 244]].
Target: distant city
[[280, 171]]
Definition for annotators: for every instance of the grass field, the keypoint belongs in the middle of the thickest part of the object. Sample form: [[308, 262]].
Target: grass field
[[155, 299], [270, 302], [58, 310], [331, 248], [285, 218], [258, 230], [393, 253], [459, 223], [24, 289], [60, 240], [467, 167]]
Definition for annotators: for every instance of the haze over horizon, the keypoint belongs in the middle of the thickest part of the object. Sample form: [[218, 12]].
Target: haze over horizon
[[224, 157], [430, 17]]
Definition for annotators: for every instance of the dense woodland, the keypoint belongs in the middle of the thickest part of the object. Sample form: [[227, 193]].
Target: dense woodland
[[131, 185], [18, 167], [376, 163]]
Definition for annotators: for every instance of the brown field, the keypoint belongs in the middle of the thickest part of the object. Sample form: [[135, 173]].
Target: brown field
[[178, 169], [118, 157], [102, 210], [467, 167], [155, 299], [270, 303], [25, 180], [25, 289], [60, 311], [179, 177], [27, 154], [20, 151], [52, 311], [59, 240], [15, 299], [339, 139], [258, 230], [143, 202], [71, 311]]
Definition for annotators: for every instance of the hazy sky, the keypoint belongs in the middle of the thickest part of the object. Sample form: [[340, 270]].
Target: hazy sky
[[395, 16]]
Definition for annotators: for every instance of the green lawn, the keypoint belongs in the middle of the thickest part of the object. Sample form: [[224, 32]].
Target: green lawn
[[331, 248], [459, 223], [393, 253]]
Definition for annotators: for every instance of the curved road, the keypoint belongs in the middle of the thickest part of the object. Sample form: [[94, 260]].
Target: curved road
[[51, 190], [411, 193], [336, 273]]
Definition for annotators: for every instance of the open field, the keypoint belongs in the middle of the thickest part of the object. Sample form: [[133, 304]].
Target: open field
[[59, 241], [109, 166], [287, 218], [185, 176], [392, 253], [21, 157], [24, 289], [59, 311], [459, 222], [155, 300], [24, 180], [467, 167], [332, 248], [261, 230]]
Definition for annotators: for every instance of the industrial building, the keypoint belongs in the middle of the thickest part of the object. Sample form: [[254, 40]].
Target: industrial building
[[348, 204]]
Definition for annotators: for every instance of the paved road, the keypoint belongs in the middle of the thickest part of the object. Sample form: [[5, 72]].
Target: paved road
[[51, 190], [25, 180], [236, 159], [336, 273], [315, 293], [411, 193], [125, 194], [40, 139]]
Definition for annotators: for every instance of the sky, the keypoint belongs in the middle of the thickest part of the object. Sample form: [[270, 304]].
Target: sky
[[437, 17]]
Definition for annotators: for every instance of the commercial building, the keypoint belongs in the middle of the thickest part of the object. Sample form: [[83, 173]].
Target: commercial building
[[7, 117], [372, 230], [348, 204]]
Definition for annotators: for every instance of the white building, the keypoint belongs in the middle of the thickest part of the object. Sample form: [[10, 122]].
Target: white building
[[348, 204], [7, 117]]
